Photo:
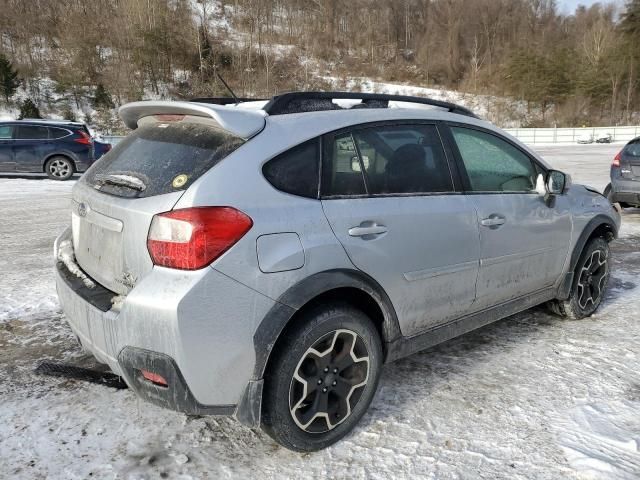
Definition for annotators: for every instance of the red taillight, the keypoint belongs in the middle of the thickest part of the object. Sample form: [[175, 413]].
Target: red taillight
[[192, 238], [154, 378], [85, 138], [616, 159], [169, 118]]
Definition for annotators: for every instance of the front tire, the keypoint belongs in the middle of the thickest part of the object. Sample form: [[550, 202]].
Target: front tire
[[322, 379], [59, 168], [590, 282]]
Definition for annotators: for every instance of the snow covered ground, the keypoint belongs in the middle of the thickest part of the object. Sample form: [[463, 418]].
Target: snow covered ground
[[532, 396]]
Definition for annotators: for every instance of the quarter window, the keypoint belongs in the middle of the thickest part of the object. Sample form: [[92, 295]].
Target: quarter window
[[492, 164], [32, 132], [296, 171], [56, 133]]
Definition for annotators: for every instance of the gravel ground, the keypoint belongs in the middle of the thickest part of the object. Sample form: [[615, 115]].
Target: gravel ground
[[532, 396]]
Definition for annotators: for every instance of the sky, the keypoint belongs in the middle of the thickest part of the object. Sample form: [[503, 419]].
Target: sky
[[569, 6]]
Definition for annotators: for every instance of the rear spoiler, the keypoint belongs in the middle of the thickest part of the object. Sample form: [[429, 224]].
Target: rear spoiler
[[241, 122]]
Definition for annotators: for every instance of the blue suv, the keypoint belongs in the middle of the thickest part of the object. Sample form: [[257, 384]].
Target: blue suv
[[57, 148]]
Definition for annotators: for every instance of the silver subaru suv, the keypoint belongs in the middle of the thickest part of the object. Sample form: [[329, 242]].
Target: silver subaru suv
[[265, 259]]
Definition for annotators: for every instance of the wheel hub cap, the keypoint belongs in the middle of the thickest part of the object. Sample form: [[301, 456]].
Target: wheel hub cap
[[592, 279], [328, 381]]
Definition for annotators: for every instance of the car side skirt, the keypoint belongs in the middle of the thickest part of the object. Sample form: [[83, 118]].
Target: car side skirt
[[406, 346]]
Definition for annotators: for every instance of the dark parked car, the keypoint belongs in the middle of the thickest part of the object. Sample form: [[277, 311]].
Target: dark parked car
[[625, 176], [100, 148], [57, 148]]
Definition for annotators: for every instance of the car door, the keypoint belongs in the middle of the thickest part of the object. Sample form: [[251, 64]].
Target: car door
[[524, 240], [30, 147], [6, 152], [389, 195]]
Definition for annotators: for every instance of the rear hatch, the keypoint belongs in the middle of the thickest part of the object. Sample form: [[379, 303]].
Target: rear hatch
[[145, 174]]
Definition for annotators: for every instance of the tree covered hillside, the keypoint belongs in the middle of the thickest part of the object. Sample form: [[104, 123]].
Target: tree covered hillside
[[75, 58]]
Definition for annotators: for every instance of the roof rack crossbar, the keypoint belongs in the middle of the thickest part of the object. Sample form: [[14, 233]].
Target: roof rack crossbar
[[281, 104]]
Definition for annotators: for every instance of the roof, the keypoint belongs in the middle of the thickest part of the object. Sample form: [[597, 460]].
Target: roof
[[47, 121]]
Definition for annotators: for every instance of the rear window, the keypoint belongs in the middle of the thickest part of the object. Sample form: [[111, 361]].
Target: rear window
[[160, 158], [633, 148]]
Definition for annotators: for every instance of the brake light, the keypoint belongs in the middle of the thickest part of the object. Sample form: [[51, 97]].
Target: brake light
[[616, 159], [169, 118], [85, 138], [192, 238]]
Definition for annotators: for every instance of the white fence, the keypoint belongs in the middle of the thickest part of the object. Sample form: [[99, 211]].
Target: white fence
[[532, 136]]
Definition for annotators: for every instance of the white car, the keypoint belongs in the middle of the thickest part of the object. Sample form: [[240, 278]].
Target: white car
[[585, 138]]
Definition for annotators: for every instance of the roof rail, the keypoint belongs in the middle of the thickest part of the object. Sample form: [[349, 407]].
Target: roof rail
[[295, 102], [224, 100]]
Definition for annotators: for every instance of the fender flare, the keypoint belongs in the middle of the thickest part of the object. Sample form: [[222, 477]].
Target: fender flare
[[274, 323], [566, 285]]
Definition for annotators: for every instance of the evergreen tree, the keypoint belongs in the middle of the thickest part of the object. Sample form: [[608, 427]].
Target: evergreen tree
[[68, 113], [8, 78], [102, 98], [28, 109], [630, 19]]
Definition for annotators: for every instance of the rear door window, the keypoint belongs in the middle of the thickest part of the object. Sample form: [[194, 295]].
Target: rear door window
[[342, 172], [403, 159], [160, 158], [32, 132]]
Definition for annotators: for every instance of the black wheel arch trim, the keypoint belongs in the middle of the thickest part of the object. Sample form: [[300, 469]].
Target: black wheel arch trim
[[305, 291], [567, 284]]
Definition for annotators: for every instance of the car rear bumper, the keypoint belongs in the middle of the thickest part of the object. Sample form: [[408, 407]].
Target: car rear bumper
[[193, 328]]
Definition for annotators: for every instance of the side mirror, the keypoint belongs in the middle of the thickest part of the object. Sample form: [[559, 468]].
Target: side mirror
[[555, 182]]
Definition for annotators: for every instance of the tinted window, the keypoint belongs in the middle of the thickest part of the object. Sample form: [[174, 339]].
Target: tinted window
[[161, 158], [55, 132], [403, 159], [342, 174], [296, 171], [5, 131], [492, 164], [32, 132], [633, 148]]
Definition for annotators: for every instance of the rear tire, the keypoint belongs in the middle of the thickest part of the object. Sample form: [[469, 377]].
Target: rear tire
[[590, 282], [59, 168], [322, 379]]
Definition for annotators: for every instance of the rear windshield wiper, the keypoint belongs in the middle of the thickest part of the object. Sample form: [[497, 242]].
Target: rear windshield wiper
[[120, 180]]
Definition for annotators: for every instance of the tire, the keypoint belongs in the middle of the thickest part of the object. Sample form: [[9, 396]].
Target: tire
[[589, 283], [59, 168], [342, 388]]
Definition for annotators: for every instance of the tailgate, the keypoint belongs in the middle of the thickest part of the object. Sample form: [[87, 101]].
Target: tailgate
[[110, 235]]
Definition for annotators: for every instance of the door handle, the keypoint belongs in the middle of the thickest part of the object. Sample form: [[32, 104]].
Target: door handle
[[367, 228], [493, 221]]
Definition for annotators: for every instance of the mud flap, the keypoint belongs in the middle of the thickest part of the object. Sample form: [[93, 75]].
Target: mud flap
[[106, 379]]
